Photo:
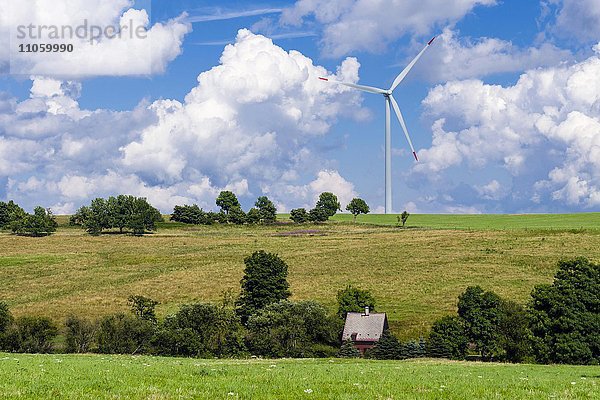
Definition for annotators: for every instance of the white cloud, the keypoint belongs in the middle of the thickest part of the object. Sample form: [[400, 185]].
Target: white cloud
[[369, 25], [543, 133], [326, 181], [579, 19], [139, 49], [462, 58], [249, 126]]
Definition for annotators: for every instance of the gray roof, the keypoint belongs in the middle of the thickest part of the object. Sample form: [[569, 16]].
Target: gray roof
[[368, 328]]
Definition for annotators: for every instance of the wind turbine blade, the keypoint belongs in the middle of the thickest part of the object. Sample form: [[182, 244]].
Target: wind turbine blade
[[406, 70], [369, 89], [401, 120]]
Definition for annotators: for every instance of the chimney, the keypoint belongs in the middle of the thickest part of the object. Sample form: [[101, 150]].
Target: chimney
[[367, 310]]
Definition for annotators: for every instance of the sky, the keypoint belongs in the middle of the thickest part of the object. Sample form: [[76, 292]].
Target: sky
[[503, 108]]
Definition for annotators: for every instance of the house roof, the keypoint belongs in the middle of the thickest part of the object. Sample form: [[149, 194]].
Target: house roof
[[368, 328]]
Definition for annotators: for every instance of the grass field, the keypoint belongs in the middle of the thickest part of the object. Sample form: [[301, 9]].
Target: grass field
[[489, 221], [415, 274], [126, 377]]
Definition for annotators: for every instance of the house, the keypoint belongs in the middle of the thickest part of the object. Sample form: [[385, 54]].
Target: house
[[364, 329]]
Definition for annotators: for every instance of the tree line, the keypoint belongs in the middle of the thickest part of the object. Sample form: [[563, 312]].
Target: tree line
[[560, 324], [13, 217]]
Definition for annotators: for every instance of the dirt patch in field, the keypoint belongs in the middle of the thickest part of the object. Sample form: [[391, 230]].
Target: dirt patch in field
[[303, 232]]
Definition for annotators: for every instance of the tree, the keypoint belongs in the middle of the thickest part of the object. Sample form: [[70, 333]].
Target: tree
[[190, 215], [328, 202], [31, 335], [448, 338], [565, 316], [253, 216], [227, 200], [143, 307], [291, 329], [403, 217], [143, 216], [482, 315], [201, 330], [264, 282], [236, 216], [352, 299], [515, 335], [79, 334], [6, 320], [299, 215], [266, 210], [10, 212], [40, 223], [387, 348], [348, 350], [357, 206], [124, 334]]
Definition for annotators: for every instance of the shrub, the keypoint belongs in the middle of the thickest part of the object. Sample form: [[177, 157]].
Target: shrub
[[80, 334], [448, 339], [565, 316], [236, 216], [31, 335], [299, 216], [190, 215], [6, 320], [264, 282], [318, 215], [201, 330], [124, 334], [348, 350], [292, 329]]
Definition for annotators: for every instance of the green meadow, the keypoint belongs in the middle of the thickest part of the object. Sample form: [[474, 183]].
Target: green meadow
[[415, 273], [126, 377]]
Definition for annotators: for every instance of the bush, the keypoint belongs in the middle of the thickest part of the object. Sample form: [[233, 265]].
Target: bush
[[318, 215], [40, 223], [124, 334], [448, 339], [236, 216], [80, 334], [6, 320], [299, 216], [31, 335], [292, 329], [190, 215], [201, 330], [565, 316]]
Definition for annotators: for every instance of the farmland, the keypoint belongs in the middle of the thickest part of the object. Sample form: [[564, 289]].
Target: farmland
[[99, 377], [415, 274]]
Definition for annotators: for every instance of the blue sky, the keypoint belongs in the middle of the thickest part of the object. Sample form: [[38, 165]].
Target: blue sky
[[503, 109]]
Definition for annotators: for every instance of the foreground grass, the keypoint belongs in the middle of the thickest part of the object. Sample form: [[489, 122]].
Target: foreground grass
[[126, 377], [415, 274]]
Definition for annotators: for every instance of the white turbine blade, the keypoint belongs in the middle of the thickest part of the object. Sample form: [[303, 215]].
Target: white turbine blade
[[406, 70], [401, 120], [369, 89]]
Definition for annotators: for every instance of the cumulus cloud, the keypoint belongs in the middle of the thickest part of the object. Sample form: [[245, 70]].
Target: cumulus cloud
[[578, 19], [128, 45], [543, 134], [369, 25], [463, 58], [251, 125]]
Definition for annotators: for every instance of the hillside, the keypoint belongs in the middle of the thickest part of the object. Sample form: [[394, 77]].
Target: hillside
[[415, 274]]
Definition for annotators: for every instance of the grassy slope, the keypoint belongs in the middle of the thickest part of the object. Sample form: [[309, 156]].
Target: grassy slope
[[415, 274], [489, 221], [99, 377]]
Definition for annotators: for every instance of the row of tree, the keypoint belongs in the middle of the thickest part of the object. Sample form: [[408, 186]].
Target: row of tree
[[13, 217], [263, 212], [327, 206], [125, 213]]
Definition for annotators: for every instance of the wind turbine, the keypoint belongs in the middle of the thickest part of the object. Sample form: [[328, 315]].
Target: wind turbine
[[389, 99]]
